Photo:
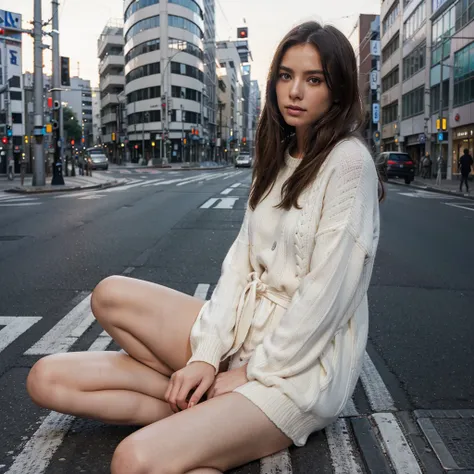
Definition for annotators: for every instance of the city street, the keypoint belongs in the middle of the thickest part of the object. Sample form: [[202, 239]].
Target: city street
[[413, 408]]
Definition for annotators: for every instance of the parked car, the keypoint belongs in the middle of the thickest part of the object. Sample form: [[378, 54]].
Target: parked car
[[244, 159], [96, 157], [394, 164]]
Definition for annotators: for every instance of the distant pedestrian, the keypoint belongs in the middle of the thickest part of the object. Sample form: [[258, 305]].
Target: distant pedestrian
[[426, 166], [465, 165], [277, 351]]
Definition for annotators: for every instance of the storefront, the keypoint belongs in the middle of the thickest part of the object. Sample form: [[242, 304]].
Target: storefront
[[415, 147], [463, 137]]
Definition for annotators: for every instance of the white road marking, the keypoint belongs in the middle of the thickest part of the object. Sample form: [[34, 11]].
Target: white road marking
[[426, 195], [343, 458], [227, 191], [71, 195], [17, 198], [227, 203], [92, 196], [209, 203], [397, 447], [201, 291], [460, 206], [66, 332], [278, 463], [15, 326], [233, 174], [236, 185], [350, 409], [197, 178], [375, 389], [20, 204]]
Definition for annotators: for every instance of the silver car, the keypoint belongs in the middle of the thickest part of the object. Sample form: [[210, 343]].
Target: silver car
[[97, 159], [244, 159]]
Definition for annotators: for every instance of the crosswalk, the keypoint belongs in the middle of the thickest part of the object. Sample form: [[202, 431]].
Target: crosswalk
[[347, 455], [15, 200]]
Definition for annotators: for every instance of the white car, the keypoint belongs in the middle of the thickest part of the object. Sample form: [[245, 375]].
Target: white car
[[97, 159], [244, 159]]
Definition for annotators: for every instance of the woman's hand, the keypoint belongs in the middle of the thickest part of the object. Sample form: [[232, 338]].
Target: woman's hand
[[198, 376], [226, 382]]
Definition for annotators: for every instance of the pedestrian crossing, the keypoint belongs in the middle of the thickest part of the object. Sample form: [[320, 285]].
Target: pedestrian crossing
[[390, 440], [18, 200]]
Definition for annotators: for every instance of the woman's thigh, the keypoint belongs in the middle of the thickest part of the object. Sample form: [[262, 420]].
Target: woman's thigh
[[155, 316], [221, 433]]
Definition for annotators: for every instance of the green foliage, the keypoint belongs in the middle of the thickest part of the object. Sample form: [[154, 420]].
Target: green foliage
[[72, 127]]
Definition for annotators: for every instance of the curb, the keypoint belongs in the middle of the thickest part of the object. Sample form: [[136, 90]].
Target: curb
[[110, 184], [171, 168], [434, 190]]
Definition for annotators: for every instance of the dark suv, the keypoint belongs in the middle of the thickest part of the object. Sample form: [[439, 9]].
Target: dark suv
[[393, 164]]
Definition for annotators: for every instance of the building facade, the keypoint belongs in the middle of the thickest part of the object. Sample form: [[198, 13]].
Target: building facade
[[11, 84], [111, 84], [427, 76], [164, 78]]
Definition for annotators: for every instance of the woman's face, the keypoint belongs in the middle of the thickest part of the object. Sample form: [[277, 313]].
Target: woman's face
[[302, 92]]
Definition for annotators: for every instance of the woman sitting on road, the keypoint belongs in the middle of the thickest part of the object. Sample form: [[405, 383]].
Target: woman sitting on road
[[276, 352]]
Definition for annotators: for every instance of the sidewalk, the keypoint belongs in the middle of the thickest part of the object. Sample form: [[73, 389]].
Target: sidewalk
[[77, 183], [450, 187]]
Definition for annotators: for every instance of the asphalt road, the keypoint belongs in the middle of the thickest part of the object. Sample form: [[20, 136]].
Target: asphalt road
[[169, 227]]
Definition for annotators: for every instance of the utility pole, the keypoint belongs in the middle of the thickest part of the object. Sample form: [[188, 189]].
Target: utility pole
[[39, 174], [57, 164], [182, 133]]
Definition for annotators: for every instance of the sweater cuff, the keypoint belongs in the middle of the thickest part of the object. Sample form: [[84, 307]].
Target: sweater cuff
[[208, 350]]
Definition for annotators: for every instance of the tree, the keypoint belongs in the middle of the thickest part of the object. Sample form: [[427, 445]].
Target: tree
[[72, 127]]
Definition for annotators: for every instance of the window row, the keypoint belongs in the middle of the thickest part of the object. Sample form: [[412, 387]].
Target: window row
[[464, 75], [186, 70], [186, 93], [390, 113], [414, 21], [146, 47], [415, 61], [143, 94], [186, 46], [142, 71], [464, 91], [434, 97], [189, 4], [391, 47], [464, 13], [391, 79], [155, 116], [142, 25], [390, 17], [413, 103], [137, 5], [185, 24]]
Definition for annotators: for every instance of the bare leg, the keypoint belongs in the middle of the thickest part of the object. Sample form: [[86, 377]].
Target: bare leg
[[152, 324]]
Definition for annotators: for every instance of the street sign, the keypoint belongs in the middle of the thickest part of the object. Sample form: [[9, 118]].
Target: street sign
[[421, 138], [374, 80], [375, 113], [375, 47]]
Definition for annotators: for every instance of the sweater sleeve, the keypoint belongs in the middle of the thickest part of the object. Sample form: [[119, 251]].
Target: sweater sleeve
[[213, 332], [334, 287]]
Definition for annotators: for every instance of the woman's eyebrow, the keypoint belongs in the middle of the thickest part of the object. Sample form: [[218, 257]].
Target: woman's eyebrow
[[313, 71]]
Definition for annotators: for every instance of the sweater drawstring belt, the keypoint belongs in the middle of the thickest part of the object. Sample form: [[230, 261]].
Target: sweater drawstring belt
[[254, 289]]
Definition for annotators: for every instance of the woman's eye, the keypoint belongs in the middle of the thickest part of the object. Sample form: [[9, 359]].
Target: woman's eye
[[284, 75], [315, 80]]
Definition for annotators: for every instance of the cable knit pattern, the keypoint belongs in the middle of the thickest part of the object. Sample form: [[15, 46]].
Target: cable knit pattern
[[292, 297]]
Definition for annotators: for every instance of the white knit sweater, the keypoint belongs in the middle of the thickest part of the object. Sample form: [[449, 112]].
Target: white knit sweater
[[313, 267]]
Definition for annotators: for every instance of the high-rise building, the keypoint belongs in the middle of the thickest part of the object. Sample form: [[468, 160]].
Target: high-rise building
[[427, 76], [164, 78], [96, 122], [11, 98], [111, 84]]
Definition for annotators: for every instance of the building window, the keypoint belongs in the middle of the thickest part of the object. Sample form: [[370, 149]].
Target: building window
[[139, 117], [143, 94], [190, 4], [138, 5], [185, 24], [15, 95], [391, 79], [390, 48], [187, 47], [186, 93], [415, 61], [464, 75], [148, 46], [434, 93], [390, 113], [17, 118], [441, 30], [143, 71], [415, 20], [142, 25], [390, 17], [186, 70], [464, 13], [413, 103]]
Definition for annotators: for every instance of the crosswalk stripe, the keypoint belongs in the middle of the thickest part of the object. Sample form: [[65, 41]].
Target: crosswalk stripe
[[343, 458], [19, 204], [278, 463], [14, 326], [396, 444]]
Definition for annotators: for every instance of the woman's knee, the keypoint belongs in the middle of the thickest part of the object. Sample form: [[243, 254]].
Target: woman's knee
[[131, 457], [107, 294], [43, 383]]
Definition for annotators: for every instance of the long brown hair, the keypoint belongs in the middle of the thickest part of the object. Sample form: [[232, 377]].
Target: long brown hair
[[344, 118]]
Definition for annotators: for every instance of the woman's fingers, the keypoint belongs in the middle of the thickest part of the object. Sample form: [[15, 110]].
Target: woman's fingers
[[199, 392], [172, 399]]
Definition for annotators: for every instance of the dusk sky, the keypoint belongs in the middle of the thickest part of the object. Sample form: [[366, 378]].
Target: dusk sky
[[81, 22]]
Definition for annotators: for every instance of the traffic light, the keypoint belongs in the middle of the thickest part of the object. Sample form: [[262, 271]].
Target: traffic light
[[185, 141], [4, 140], [9, 131], [242, 33], [65, 79], [26, 139], [72, 142], [113, 136], [444, 124]]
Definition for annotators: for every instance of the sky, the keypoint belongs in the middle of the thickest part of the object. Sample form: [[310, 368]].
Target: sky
[[82, 21]]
